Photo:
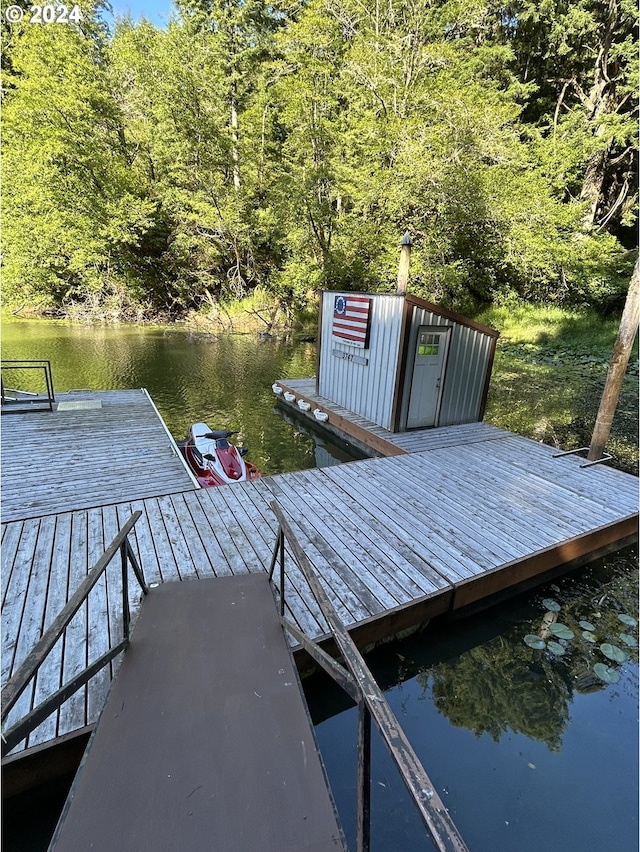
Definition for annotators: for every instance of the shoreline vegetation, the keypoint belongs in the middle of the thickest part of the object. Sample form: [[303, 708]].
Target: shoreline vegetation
[[548, 377], [580, 330]]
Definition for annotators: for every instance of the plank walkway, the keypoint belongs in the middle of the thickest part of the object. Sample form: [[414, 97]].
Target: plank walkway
[[395, 541], [204, 742], [377, 440], [92, 449]]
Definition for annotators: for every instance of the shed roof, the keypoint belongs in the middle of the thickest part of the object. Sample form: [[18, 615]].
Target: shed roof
[[452, 315]]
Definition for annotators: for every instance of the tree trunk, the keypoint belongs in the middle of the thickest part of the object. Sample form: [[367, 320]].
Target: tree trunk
[[600, 102], [234, 145], [619, 360]]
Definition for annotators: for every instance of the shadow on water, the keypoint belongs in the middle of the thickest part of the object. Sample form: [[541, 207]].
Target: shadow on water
[[29, 820]]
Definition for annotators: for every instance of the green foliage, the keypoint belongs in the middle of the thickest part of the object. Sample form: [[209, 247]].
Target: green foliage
[[288, 148]]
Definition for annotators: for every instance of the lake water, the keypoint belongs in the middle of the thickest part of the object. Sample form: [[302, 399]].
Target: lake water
[[529, 750]]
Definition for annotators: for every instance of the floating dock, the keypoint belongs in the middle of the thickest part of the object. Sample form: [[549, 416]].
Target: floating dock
[[454, 516], [91, 449]]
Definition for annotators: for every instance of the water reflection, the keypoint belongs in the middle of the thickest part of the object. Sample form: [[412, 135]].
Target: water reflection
[[529, 749], [504, 685], [327, 452]]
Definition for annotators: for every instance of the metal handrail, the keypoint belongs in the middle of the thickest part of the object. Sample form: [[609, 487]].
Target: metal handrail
[[359, 683], [605, 456], [43, 365], [21, 678]]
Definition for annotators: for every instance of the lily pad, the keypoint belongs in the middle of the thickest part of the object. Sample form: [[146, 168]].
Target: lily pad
[[555, 648], [586, 625], [627, 619], [549, 603], [561, 631], [613, 652], [589, 636], [631, 641], [534, 641], [606, 673]]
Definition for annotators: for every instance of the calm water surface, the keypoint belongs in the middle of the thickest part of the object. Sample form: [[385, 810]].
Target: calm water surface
[[529, 749], [224, 380]]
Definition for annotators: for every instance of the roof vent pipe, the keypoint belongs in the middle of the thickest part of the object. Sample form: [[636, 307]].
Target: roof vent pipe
[[405, 260]]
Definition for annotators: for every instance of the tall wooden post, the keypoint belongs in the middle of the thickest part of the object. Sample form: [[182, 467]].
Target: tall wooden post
[[405, 261], [619, 360]]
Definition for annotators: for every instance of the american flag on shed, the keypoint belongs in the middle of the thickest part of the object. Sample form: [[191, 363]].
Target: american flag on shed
[[351, 319]]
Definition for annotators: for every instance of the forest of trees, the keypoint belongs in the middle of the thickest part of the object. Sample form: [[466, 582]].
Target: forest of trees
[[289, 147]]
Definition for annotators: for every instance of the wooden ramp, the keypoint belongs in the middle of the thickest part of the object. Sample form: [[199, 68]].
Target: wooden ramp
[[204, 742]]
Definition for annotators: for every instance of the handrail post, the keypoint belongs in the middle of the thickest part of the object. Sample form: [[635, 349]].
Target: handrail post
[[274, 555], [282, 572], [126, 612], [29, 667], [136, 568], [435, 816], [278, 550], [49, 380], [364, 777]]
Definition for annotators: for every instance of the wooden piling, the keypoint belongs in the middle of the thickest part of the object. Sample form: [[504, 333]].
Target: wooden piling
[[617, 368]]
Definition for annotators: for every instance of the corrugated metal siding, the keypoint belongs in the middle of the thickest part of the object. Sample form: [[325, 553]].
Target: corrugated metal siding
[[365, 390], [466, 369]]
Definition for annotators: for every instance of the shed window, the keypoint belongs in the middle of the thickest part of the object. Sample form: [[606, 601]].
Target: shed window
[[429, 344]]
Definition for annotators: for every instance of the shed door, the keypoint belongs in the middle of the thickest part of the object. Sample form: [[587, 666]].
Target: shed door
[[428, 372]]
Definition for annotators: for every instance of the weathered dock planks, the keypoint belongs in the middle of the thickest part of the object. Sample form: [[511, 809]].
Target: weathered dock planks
[[460, 514], [82, 456]]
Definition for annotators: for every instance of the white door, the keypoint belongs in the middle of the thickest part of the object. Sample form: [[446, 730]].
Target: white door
[[428, 370]]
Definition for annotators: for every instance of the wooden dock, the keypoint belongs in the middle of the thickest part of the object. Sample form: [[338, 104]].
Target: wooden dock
[[456, 516], [372, 439], [93, 449], [202, 723]]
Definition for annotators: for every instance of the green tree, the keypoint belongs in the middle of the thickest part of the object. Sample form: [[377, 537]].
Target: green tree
[[71, 212], [579, 59]]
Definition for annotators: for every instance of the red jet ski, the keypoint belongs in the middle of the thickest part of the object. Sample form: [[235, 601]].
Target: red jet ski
[[215, 461]]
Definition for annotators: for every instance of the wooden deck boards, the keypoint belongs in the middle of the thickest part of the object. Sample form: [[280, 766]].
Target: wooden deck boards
[[394, 540], [204, 741], [71, 459]]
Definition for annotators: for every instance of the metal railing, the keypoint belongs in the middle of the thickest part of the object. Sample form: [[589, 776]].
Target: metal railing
[[14, 396], [30, 666], [605, 456], [361, 686]]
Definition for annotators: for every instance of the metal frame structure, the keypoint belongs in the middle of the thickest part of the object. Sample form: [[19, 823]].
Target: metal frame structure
[[359, 683], [605, 456], [26, 396], [29, 667]]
